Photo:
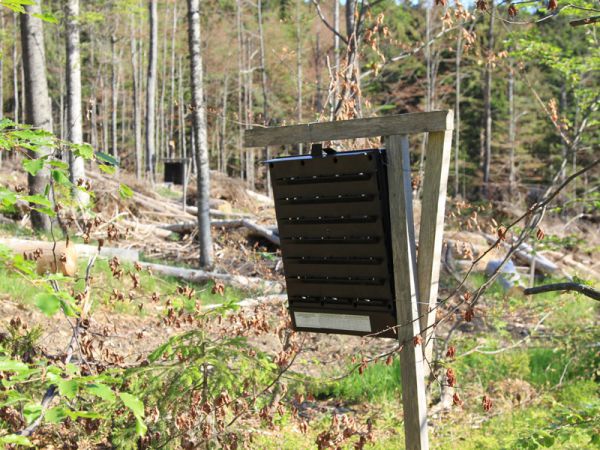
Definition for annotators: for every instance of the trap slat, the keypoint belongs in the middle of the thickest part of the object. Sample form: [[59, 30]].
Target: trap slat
[[331, 269], [363, 186], [338, 288], [320, 248]]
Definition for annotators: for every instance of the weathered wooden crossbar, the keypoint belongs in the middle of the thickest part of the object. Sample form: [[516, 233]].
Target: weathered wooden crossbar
[[416, 276], [350, 129]]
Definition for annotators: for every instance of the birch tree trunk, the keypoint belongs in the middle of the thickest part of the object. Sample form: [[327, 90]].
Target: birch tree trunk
[[160, 136], [15, 57], [318, 83], [487, 105], [201, 142], [512, 130], [299, 66], [459, 49], [74, 111], [223, 156], [173, 99], [241, 115], [137, 114], [114, 90], [336, 56], [37, 105], [263, 82], [151, 93]]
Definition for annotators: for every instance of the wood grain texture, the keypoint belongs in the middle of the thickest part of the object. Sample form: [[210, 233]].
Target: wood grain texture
[[406, 289], [431, 232], [350, 129]]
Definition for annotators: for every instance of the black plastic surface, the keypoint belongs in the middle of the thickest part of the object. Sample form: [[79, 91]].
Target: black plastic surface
[[333, 220]]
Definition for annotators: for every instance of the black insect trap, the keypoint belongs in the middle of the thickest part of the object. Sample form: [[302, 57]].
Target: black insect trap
[[334, 227]]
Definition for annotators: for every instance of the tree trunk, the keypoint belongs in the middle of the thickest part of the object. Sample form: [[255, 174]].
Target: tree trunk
[[38, 107], [263, 83], [223, 156], [15, 56], [564, 147], [74, 110], [512, 130], [487, 105], [318, 83], [173, 99], [161, 137], [250, 169], [201, 144], [104, 115], [114, 90], [299, 66], [151, 93], [336, 56], [241, 114], [459, 49], [181, 112], [137, 115]]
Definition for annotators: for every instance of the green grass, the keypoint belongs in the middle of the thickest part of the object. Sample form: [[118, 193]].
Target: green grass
[[379, 382], [18, 289], [560, 364], [166, 192]]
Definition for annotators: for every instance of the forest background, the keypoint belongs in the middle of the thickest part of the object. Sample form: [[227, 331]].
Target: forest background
[[522, 79]]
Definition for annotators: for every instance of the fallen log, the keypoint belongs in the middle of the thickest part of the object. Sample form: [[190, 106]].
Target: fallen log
[[260, 197], [525, 253], [271, 233], [201, 276], [21, 246], [146, 228]]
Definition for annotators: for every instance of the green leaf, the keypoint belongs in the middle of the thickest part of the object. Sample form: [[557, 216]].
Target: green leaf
[[48, 303], [133, 403], [68, 388], [125, 191], [83, 150], [107, 169], [60, 177], [31, 412], [107, 159], [7, 197], [140, 426], [33, 166], [16, 439], [58, 164], [102, 391], [85, 415], [38, 199], [9, 365], [56, 415], [6, 123], [46, 17], [43, 210]]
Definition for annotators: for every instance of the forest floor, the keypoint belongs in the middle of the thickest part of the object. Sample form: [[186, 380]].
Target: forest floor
[[538, 357]]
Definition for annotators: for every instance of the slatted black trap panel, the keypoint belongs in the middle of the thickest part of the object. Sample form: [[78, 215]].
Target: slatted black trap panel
[[333, 219]]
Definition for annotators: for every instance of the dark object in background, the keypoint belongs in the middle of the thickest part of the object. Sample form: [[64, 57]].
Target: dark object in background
[[175, 170], [333, 219]]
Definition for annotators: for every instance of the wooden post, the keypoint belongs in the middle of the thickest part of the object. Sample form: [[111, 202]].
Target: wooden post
[[431, 232], [415, 279], [406, 288]]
